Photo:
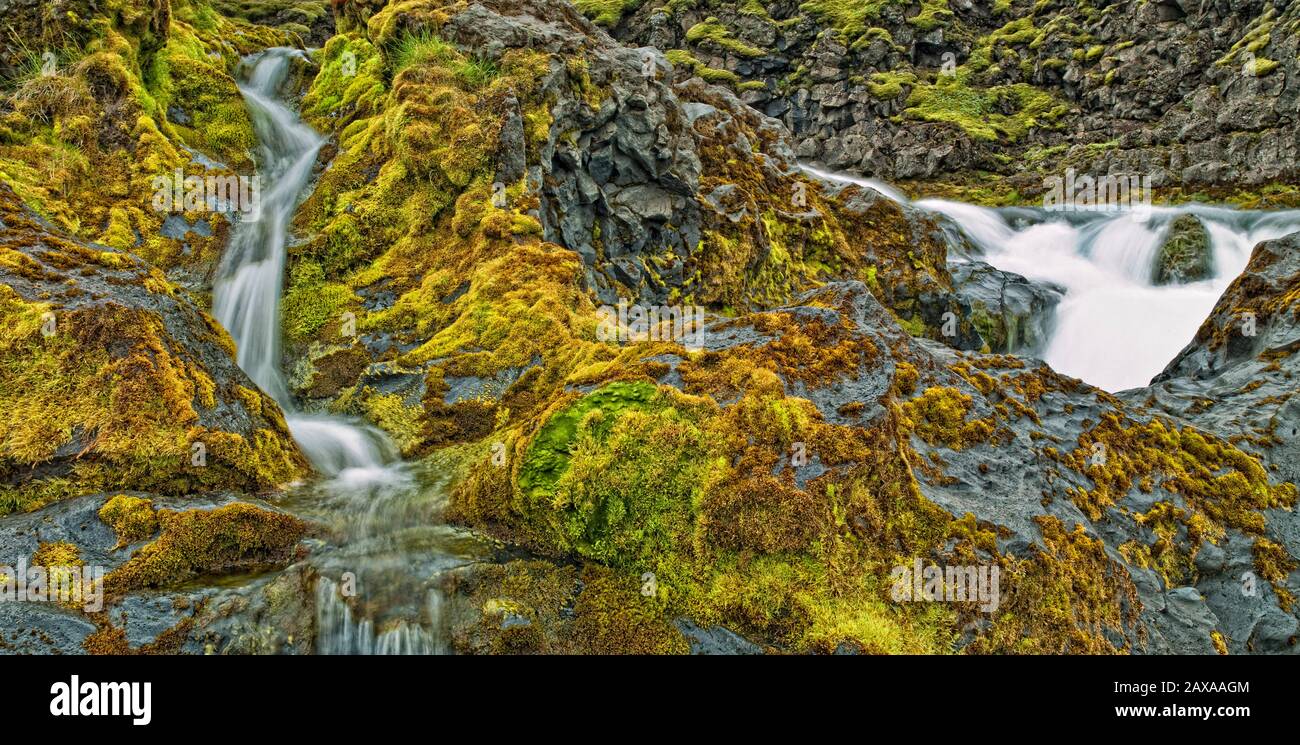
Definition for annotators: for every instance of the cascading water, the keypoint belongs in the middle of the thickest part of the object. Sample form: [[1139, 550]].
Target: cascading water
[[1114, 328], [383, 509], [246, 298]]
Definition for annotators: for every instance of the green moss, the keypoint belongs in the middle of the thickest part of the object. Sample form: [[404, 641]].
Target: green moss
[[613, 618], [714, 32], [851, 18], [627, 498], [978, 111], [133, 519], [310, 303], [350, 81], [1258, 36], [607, 12], [870, 36], [1275, 565], [391, 414], [890, 84], [536, 607], [112, 384], [236, 537], [425, 48], [682, 58], [57, 554], [938, 416], [183, 75], [1222, 486], [549, 454], [1070, 598], [934, 13]]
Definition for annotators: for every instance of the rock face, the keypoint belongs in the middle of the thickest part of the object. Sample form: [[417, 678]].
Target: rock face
[[125, 428], [1236, 379], [143, 606], [1198, 98], [1186, 254], [1012, 314]]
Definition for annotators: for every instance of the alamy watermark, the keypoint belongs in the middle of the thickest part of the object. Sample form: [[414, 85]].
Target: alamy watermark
[[921, 583], [96, 699], [80, 585], [1098, 193], [626, 322], [237, 196]]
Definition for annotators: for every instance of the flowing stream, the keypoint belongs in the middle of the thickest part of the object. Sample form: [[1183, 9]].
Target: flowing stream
[[391, 544], [1114, 328]]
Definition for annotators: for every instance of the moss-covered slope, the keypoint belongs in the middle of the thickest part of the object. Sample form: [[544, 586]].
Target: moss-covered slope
[[111, 378]]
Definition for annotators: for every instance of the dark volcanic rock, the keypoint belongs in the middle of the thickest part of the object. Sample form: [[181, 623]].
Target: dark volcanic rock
[[1011, 313], [1199, 95]]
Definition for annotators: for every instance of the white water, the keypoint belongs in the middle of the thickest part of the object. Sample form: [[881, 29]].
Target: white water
[[246, 297], [1114, 328], [392, 543]]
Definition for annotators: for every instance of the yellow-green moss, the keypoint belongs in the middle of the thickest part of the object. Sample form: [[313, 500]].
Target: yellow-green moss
[[131, 518], [939, 415], [236, 537]]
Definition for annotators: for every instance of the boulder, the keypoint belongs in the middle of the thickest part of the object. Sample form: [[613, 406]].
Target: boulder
[[1185, 255]]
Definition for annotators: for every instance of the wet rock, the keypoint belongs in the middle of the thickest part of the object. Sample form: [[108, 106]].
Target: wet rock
[[166, 364], [716, 641], [1186, 254], [1011, 313]]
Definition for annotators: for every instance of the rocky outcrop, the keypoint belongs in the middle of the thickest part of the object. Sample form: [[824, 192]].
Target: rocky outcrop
[[99, 134], [1196, 97], [1234, 378], [801, 450], [1186, 253], [126, 432], [310, 22], [503, 184], [670, 194], [111, 378], [141, 595], [1012, 314]]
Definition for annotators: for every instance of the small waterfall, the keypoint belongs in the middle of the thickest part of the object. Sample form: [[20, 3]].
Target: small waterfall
[[1114, 328], [339, 632], [394, 546]]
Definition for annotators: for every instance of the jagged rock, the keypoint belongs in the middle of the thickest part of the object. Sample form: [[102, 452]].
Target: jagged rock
[[1192, 93], [1011, 313]]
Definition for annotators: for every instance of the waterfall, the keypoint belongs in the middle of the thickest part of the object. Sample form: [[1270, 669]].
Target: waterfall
[[369, 495], [1114, 328], [246, 296]]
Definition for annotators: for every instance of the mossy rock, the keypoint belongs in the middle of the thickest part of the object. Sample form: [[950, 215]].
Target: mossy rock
[[133, 519], [234, 538], [111, 378], [1186, 255]]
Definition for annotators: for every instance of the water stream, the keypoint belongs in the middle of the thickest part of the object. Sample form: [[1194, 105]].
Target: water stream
[[1114, 328], [390, 543]]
